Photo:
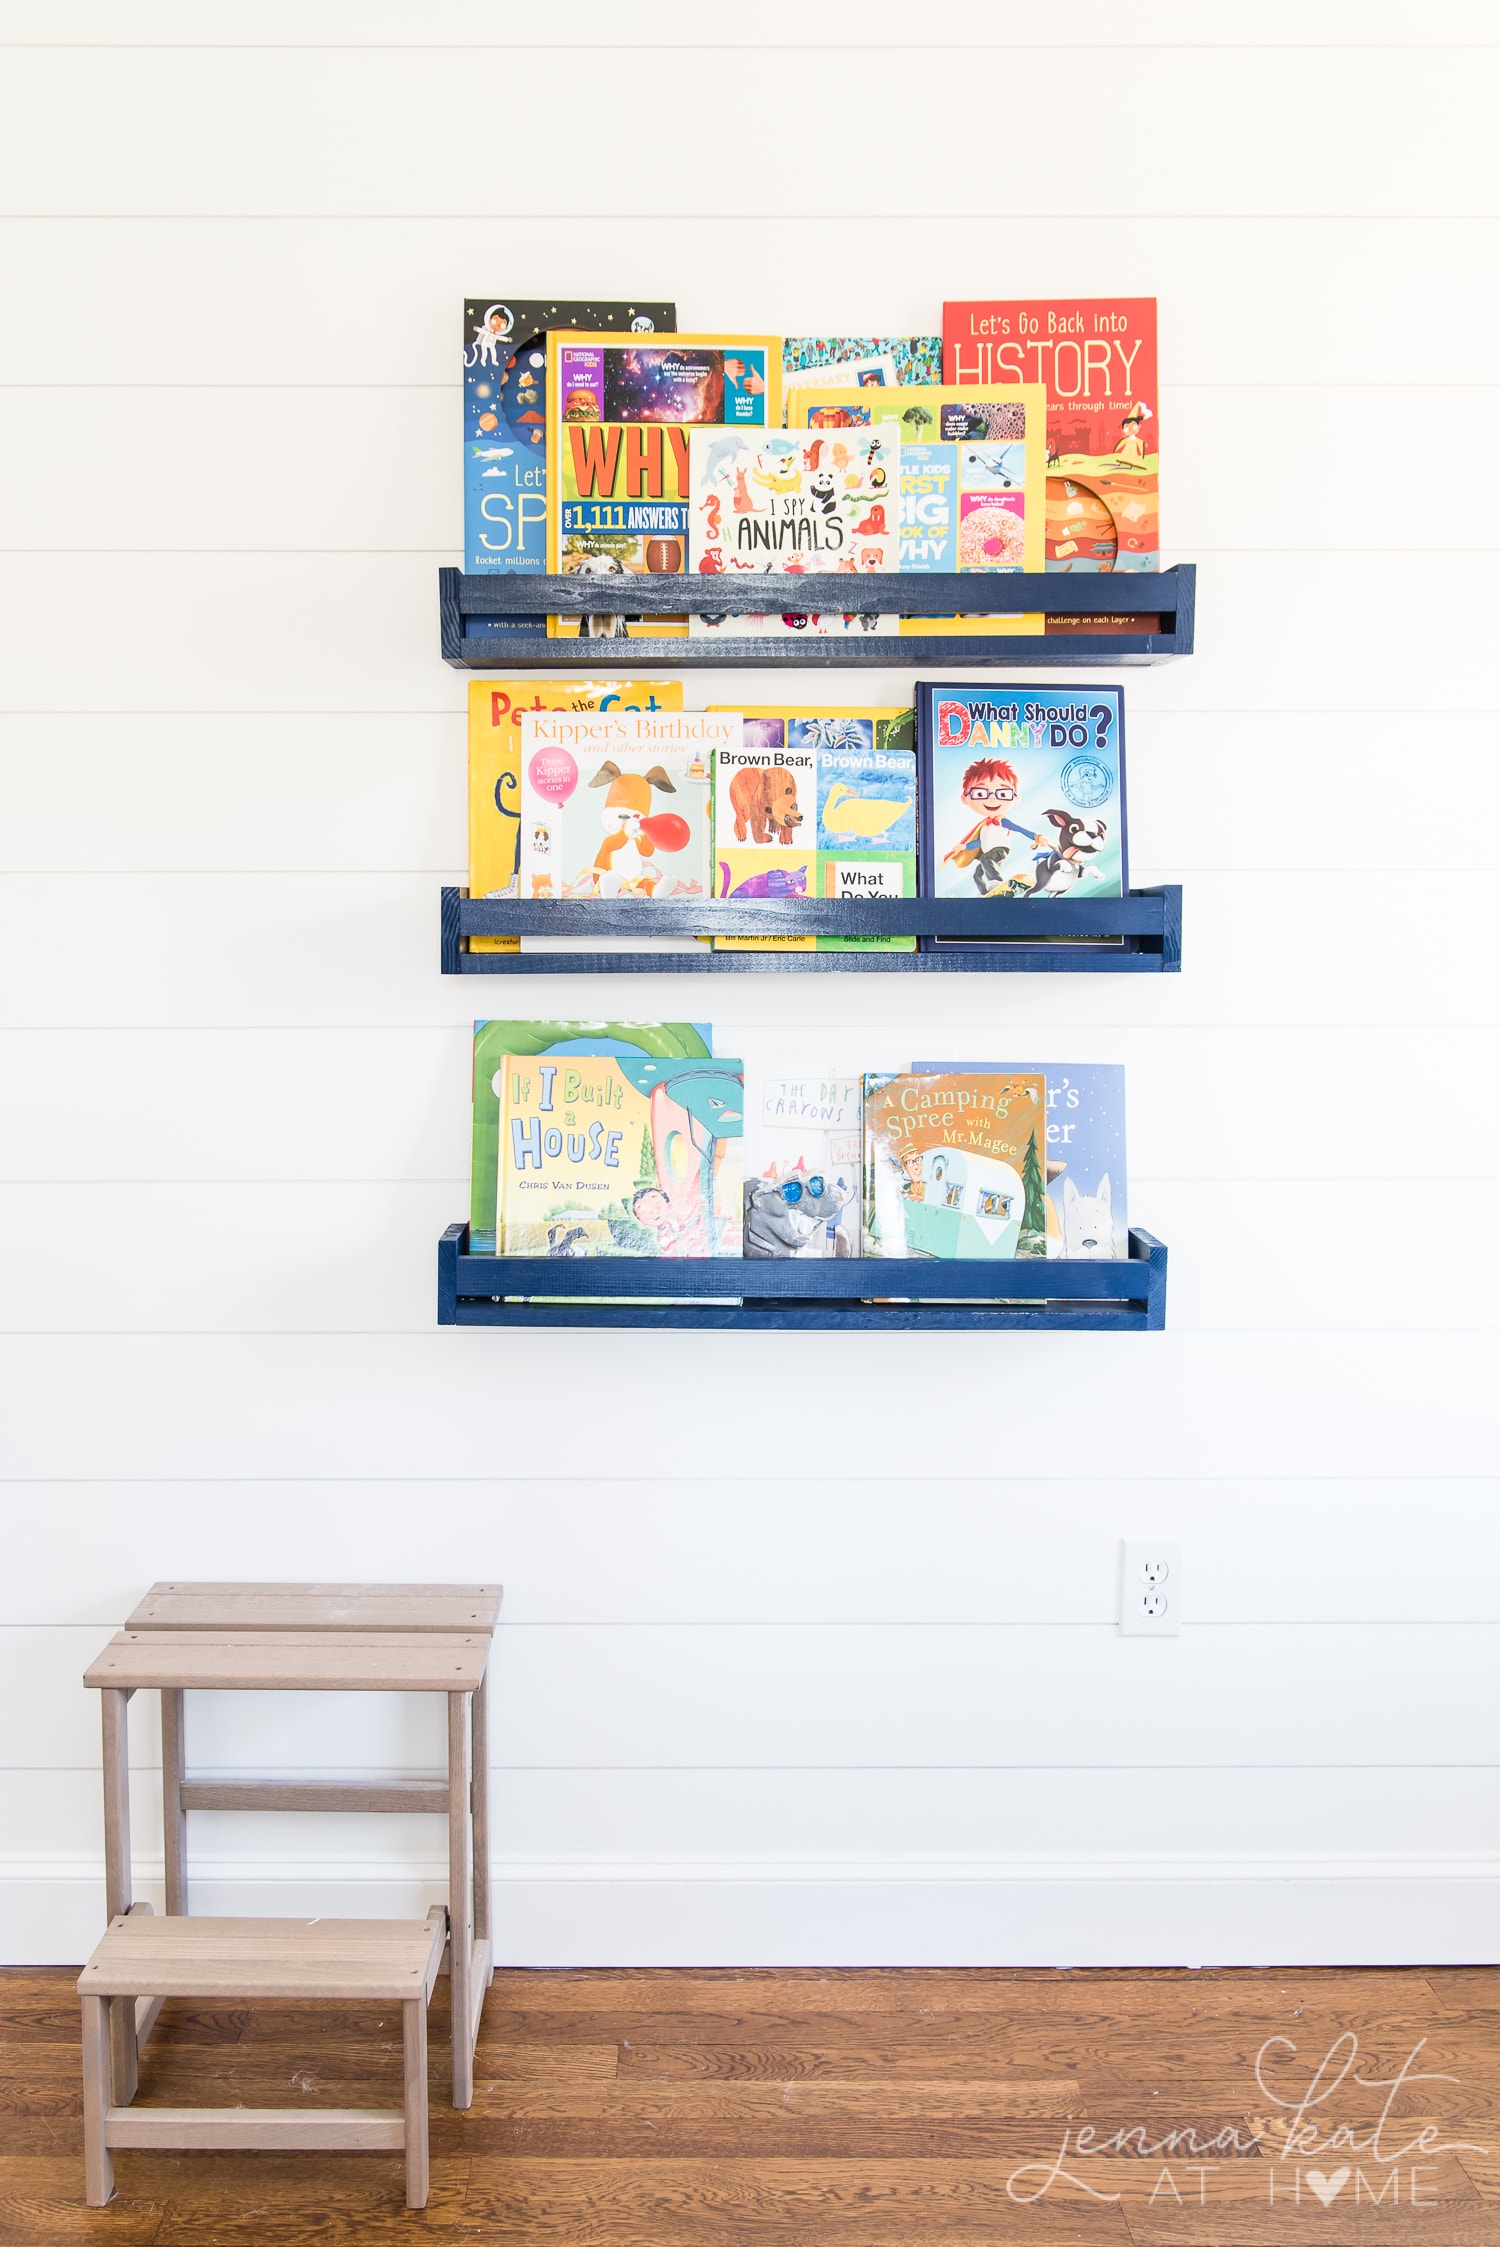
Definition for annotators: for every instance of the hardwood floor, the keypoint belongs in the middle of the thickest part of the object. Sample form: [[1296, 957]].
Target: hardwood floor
[[872, 2109]]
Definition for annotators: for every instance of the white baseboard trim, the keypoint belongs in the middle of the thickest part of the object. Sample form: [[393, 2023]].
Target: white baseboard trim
[[919, 1911]]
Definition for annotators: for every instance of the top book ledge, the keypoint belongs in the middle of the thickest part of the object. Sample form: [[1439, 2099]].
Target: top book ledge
[[1093, 621]]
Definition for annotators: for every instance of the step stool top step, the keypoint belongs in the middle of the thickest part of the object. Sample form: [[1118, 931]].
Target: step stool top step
[[317, 1607], [293, 1661], [387, 1960]]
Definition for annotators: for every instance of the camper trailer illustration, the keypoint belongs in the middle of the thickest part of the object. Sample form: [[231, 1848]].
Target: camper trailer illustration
[[962, 1204]]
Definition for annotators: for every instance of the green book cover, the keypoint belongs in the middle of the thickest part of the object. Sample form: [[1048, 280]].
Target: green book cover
[[495, 1041]]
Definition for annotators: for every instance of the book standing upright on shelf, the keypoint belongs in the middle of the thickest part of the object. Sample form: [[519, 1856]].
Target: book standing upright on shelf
[[496, 707], [505, 431], [955, 1165], [619, 1155], [780, 500], [1097, 358], [873, 360], [620, 409], [496, 1042], [1087, 1178], [803, 1163], [972, 481], [817, 804], [1022, 796], [615, 805]]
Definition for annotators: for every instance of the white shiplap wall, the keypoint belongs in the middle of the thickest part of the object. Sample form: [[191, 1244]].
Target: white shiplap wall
[[808, 1650]]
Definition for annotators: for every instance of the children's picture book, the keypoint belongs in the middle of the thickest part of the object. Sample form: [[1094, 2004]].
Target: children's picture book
[[495, 1042], [777, 500], [619, 414], [803, 1164], [495, 708], [615, 804], [872, 359], [505, 430], [1097, 358], [1086, 1171], [973, 480], [955, 1164], [622, 1154], [1022, 794], [817, 804]]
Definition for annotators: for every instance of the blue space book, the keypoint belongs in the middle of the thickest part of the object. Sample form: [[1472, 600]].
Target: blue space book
[[1086, 1174], [505, 432], [1022, 796]]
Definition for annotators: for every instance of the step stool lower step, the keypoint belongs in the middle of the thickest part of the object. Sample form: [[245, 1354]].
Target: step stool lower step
[[384, 1961]]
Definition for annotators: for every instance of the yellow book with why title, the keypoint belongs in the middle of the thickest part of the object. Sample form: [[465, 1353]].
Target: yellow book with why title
[[619, 408]]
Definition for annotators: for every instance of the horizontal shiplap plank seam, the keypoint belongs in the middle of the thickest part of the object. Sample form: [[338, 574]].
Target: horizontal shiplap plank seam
[[708, 1621]]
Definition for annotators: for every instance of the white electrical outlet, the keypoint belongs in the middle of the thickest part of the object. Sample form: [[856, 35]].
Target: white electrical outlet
[[1150, 1588]]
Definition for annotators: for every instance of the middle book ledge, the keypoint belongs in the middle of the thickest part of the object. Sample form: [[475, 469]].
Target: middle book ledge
[[1140, 933]]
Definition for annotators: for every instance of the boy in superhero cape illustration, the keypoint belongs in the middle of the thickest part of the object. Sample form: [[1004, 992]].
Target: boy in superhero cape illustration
[[990, 789]]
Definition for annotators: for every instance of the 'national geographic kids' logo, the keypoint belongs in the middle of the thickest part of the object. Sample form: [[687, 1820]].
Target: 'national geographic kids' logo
[[1086, 782]]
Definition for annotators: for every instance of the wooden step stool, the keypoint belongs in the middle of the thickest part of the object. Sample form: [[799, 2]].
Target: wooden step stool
[[382, 1961], [350, 1638]]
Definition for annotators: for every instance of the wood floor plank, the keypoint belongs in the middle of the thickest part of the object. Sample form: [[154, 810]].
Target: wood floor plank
[[1483, 2168], [657, 2203], [125, 2222], [732, 2122], [53, 2017], [1058, 2042], [1463, 1987], [909, 1990]]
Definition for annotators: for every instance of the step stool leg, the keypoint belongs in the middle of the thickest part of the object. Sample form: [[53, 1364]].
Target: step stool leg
[[460, 1900], [414, 2050], [174, 1821], [98, 2167], [113, 1704], [480, 1797]]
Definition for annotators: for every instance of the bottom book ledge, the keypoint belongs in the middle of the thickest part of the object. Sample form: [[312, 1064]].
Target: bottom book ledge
[[1113, 1297]]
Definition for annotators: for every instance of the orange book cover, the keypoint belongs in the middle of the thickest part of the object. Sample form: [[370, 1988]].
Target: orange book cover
[[1097, 358]]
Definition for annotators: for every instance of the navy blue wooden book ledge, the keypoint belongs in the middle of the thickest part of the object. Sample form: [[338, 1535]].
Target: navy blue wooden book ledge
[[1158, 603], [1062, 1295], [1148, 924]]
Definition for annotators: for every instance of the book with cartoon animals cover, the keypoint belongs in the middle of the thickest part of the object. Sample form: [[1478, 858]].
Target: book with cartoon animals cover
[[1086, 1172], [622, 1154], [955, 1164], [495, 1042], [620, 411], [803, 1161], [505, 431], [784, 501], [1022, 796], [615, 804], [972, 481], [495, 710], [816, 803]]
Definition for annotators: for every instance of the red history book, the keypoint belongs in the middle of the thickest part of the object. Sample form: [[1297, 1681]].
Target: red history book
[[1097, 357]]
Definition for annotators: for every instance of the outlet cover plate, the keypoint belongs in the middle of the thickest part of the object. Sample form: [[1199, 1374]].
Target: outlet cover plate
[[1150, 1587]]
